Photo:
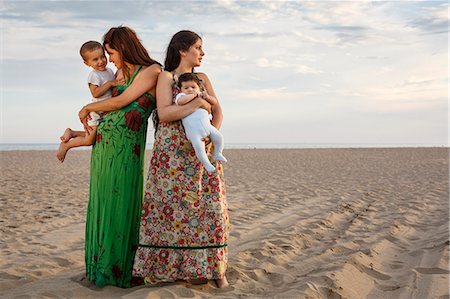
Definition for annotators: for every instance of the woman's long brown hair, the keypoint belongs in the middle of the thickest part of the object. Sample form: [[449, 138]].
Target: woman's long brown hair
[[125, 41]]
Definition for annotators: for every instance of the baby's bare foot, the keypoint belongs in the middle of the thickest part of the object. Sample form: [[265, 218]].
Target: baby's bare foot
[[220, 157], [222, 282], [62, 151], [68, 133]]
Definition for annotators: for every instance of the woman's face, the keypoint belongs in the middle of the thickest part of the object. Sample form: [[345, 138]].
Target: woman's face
[[195, 54], [114, 57]]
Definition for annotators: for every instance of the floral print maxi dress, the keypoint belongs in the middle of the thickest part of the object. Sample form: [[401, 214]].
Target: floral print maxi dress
[[184, 224], [116, 190]]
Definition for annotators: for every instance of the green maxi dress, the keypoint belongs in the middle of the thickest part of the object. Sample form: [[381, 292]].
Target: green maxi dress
[[116, 187]]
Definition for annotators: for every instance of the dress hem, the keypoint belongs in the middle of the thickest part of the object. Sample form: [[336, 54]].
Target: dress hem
[[184, 247]]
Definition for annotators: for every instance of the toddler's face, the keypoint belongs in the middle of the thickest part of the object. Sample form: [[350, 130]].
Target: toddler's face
[[96, 59], [190, 87]]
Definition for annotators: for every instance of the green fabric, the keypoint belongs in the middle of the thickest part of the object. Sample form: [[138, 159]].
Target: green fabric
[[116, 187]]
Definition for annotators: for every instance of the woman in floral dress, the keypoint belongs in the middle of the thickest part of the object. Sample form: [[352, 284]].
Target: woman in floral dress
[[184, 225], [116, 185]]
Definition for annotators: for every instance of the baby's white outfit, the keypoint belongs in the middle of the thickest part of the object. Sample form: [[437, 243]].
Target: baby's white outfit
[[99, 78], [198, 126]]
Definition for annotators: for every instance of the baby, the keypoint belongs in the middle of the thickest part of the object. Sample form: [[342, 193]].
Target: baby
[[197, 124], [101, 79]]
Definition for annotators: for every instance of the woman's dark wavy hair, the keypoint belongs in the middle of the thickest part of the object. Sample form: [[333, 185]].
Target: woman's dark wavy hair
[[181, 41], [125, 41]]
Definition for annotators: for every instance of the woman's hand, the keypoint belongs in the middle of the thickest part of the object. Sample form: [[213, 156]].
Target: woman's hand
[[204, 104], [84, 117], [204, 95], [206, 140], [207, 97]]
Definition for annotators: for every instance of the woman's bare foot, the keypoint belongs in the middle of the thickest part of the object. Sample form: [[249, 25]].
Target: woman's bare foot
[[222, 282], [62, 151], [68, 133]]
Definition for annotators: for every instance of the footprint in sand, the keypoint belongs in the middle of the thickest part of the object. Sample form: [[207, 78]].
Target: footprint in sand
[[62, 262], [7, 276], [432, 271]]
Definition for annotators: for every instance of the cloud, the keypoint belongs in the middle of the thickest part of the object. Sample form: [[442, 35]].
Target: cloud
[[408, 95], [340, 28], [434, 20], [273, 59], [345, 13], [277, 63], [282, 93], [347, 34]]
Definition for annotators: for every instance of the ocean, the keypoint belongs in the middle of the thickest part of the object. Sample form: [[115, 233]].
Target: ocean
[[54, 146]]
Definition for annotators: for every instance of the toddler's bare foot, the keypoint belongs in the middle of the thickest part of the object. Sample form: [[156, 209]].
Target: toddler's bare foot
[[222, 282], [62, 151], [68, 133]]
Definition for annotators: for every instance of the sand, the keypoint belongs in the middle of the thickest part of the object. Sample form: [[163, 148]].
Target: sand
[[307, 223]]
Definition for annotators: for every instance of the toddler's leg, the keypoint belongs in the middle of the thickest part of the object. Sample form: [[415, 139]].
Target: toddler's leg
[[77, 141], [199, 147], [90, 139], [69, 134], [217, 139]]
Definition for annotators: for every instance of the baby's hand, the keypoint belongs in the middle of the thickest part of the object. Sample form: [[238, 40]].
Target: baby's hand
[[118, 82], [204, 95]]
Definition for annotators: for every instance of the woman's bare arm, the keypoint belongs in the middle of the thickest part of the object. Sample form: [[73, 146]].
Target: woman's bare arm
[[98, 91], [145, 81], [184, 99], [216, 109]]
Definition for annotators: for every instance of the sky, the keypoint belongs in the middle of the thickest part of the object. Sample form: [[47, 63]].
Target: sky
[[284, 71]]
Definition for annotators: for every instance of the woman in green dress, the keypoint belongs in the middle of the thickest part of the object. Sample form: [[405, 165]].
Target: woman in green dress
[[116, 184]]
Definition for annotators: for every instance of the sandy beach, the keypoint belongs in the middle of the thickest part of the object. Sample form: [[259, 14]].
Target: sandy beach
[[306, 223]]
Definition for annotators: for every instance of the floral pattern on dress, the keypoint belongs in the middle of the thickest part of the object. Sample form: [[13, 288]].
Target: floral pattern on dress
[[184, 224]]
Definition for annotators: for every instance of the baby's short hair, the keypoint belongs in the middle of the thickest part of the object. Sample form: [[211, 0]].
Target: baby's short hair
[[90, 46], [189, 77]]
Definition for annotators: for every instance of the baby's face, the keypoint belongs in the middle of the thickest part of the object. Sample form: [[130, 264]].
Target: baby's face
[[190, 87]]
